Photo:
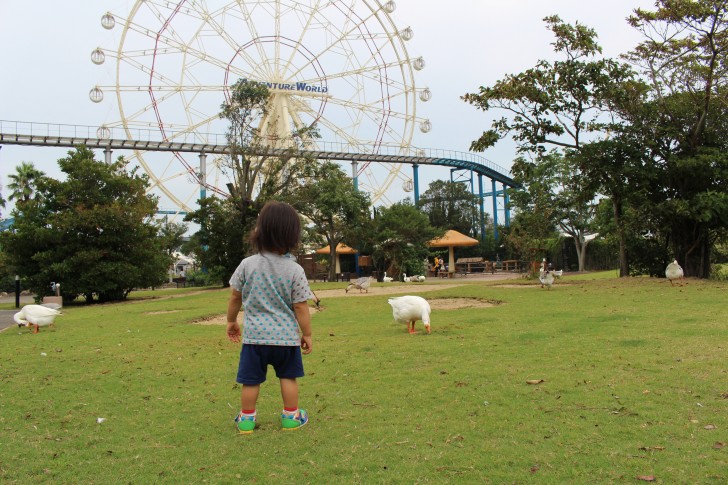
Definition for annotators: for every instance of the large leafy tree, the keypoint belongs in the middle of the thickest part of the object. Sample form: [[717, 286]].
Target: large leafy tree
[[260, 174], [262, 164], [23, 182], [450, 205], [94, 232], [684, 57], [559, 104], [555, 193], [555, 109], [327, 197], [400, 237], [221, 242]]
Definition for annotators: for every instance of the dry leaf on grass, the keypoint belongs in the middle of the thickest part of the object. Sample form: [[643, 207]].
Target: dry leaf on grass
[[534, 381], [710, 426], [718, 445], [646, 478]]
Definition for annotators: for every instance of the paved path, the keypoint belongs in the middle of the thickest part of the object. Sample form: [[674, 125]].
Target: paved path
[[6, 316]]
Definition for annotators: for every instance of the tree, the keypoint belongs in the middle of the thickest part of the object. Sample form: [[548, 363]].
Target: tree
[[329, 200], [23, 182], [556, 194], [258, 175], [2, 201], [562, 106], [450, 205], [400, 238], [93, 232], [684, 58], [172, 235], [221, 242]]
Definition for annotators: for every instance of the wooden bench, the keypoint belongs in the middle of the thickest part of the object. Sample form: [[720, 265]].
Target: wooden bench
[[510, 265], [469, 265]]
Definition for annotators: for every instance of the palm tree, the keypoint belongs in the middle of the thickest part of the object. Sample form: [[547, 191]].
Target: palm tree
[[23, 181]]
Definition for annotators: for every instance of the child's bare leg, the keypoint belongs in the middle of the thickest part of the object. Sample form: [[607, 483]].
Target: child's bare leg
[[249, 396], [289, 393]]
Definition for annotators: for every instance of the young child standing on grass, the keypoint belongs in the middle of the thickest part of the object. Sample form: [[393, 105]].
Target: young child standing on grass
[[273, 290]]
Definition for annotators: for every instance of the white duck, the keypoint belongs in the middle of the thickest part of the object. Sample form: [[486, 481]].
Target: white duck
[[408, 309], [387, 279], [546, 278], [674, 272], [418, 278], [36, 316], [406, 278]]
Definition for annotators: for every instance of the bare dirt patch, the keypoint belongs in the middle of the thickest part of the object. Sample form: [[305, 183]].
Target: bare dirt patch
[[222, 319], [460, 303], [383, 290]]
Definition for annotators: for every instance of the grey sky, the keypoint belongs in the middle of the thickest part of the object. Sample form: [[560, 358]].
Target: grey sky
[[47, 72]]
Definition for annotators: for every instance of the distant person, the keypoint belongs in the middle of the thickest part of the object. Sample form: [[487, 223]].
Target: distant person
[[436, 264], [273, 290]]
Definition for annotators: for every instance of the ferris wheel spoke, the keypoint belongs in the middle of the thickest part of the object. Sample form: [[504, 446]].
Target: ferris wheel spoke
[[341, 37], [347, 137], [263, 59]]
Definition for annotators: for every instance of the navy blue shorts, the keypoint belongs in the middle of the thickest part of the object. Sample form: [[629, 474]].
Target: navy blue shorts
[[254, 361]]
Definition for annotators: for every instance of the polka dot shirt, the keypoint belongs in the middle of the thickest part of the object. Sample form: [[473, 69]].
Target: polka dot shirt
[[270, 284]]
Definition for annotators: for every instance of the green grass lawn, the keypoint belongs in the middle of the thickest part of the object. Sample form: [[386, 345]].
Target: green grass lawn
[[635, 384]]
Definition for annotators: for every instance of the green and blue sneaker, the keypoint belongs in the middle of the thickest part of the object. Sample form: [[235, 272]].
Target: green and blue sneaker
[[245, 423], [293, 421]]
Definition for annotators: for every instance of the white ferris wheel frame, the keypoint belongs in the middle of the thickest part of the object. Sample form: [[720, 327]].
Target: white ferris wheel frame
[[366, 122]]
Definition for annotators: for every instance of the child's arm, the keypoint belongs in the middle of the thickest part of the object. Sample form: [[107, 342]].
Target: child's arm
[[234, 305], [303, 316]]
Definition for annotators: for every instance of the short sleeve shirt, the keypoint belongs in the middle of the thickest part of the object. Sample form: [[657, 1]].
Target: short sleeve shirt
[[270, 284]]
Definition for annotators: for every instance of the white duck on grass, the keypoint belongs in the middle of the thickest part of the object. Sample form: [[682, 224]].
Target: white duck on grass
[[408, 309], [674, 272], [546, 278], [387, 279], [36, 316]]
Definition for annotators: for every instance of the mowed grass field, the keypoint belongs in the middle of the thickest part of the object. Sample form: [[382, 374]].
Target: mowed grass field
[[598, 380]]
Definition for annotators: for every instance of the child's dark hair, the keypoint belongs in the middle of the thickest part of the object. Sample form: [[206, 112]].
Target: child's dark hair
[[278, 229]]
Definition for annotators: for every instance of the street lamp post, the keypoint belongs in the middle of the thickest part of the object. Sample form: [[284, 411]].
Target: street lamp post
[[17, 291]]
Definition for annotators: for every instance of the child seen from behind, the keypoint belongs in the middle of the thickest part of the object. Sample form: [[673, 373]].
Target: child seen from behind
[[272, 289]]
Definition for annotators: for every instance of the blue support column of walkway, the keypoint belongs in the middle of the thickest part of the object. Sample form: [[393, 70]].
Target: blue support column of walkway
[[507, 203], [482, 207], [355, 179], [495, 210], [416, 180]]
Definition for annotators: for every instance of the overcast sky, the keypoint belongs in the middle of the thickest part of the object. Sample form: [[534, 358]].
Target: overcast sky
[[45, 48]]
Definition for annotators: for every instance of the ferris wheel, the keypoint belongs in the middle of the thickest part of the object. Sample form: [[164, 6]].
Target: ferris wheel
[[341, 65]]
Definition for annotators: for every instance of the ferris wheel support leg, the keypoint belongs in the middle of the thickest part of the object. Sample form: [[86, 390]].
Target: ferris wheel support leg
[[416, 180], [354, 176], [203, 175]]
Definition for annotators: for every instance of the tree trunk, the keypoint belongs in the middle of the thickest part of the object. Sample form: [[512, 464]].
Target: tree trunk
[[623, 263], [580, 243]]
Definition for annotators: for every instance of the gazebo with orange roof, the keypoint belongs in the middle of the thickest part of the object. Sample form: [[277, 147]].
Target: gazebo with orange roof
[[341, 248], [450, 240]]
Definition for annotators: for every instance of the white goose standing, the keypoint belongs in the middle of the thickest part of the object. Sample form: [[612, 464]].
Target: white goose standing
[[36, 316], [408, 309], [674, 272]]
